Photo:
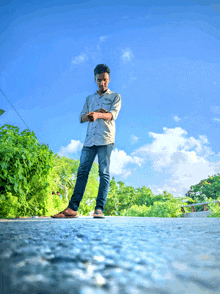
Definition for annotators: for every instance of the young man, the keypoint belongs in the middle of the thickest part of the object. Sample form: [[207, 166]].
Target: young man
[[100, 110]]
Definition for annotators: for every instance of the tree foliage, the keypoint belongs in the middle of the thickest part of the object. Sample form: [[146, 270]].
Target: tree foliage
[[25, 166], [63, 175], [127, 201], [206, 190], [29, 172], [215, 208]]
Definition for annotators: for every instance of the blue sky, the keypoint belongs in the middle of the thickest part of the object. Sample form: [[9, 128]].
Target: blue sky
[[164, 61]]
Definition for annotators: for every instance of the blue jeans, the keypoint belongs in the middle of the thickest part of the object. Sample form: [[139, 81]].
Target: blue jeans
[[86, 160]]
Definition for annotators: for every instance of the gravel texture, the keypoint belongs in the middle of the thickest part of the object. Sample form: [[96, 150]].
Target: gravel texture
[[111, 255]]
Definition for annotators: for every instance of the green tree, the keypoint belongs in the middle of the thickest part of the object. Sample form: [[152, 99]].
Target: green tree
[[64, 174], [125, 195], [25, 167], [127, 201], [143, 196], [203, 191]]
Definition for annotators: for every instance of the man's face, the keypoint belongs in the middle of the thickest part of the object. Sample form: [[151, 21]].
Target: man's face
[[102, 81]]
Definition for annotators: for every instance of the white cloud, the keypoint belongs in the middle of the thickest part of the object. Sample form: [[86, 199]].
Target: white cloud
[[134, 139], [216, 119], [127, 55], [102, 39], [73, 147], [119, 160], [79, 59], [203, 139], [184, 160], [176, 118]]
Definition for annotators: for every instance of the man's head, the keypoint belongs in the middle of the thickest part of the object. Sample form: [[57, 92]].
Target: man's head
[[102, 77], [58, 193]]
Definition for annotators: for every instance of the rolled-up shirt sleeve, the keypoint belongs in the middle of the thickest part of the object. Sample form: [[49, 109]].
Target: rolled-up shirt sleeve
[[85, 110], [115, 107]]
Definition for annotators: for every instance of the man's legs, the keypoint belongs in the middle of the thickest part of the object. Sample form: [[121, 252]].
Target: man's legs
[[104, 153], [86, 160]]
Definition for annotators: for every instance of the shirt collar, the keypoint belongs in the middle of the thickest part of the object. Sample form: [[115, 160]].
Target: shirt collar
[[108, 91]]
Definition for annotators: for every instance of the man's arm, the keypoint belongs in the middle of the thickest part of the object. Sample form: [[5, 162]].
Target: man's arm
[[115, 107], [106, 116], [94, 115], [99, 114], [85, 110]]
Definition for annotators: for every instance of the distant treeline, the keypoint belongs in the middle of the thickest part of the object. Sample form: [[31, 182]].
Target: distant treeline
[[30, 171]]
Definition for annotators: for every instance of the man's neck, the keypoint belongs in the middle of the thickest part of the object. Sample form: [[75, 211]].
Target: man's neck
[[100, 92]]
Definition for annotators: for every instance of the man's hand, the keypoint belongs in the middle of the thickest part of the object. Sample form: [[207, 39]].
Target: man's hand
[[92, 116]]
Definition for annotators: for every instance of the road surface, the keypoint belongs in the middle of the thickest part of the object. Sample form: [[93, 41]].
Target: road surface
[[112, 255]]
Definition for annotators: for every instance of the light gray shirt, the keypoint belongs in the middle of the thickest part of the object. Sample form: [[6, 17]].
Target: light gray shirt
[[101, 131]]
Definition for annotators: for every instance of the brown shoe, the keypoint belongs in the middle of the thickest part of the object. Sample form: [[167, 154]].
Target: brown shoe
[[66, 213], [98, 214]]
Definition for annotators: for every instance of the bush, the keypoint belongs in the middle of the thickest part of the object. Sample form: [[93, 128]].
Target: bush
[[158, 209], [8, 206], [166, 209], [25, 166], [137, 210], [215, 209]]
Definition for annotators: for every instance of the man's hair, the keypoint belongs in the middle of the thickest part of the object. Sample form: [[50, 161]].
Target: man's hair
[[100, 68]]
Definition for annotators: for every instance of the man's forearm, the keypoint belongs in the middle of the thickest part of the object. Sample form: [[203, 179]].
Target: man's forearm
[[106, 116]]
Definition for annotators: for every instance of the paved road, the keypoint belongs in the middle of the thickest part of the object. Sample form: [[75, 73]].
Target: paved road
[[114, 255]]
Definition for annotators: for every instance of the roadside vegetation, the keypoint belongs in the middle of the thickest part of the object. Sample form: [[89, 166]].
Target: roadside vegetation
[[30, 171], [206, 190]]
